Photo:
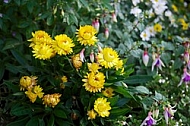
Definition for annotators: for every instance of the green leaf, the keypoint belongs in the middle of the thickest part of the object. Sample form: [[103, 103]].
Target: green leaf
[[23, 24], [177, 63], [123, 91], [113, 100], [51, 121], [21, 122], [138, 79], [11, 43], [119, 111], [2, 69], [21, 110], [33, 122], [30, 6], [18, 2], [50, 20], [85, 3], [142, 90], [19, 57], [41, 122], [59, 113]]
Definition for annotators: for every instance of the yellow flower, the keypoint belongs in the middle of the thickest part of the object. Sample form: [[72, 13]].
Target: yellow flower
[[157, 27], [38, 91], [108, 92], [185, 26], [93, 67], [94, 82], [102, 107], [51, 99], [63, 44], [181, 20], [43, 51], [32, 96], [40, 37], [86, 35], [174, 8], [64, 79], [119, 64], [91, 114], [108, 57], [27, 82], [77, 63]]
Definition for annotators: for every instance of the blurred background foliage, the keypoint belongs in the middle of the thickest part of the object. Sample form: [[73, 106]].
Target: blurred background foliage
[[19, 18]]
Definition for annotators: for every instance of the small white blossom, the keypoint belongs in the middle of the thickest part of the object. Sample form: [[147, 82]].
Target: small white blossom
[[135, 11]]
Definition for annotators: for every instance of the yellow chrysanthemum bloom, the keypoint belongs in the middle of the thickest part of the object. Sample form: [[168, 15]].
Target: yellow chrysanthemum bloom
[[119, 65], [93, 67], [91, 114], [43, 51], [32, 96], [77, 63], [174, 8], [27, 82], [64, 79], [108, 92], [94, 82], [86, 35], [51, 99], [108, 57], [158, 27], [181, 20], [102, 107], [63, 44], [40, 37], [38, 91]]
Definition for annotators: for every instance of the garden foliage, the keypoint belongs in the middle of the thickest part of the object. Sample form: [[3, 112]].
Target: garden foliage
[[98, 62]]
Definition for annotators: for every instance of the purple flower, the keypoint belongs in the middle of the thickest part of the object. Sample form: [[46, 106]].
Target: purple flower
[[168, 113], [185, 77], [149, 121], [6, 1], [145, 58], [158, 63]]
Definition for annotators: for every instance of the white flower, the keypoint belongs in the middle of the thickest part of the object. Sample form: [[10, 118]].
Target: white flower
[[168, 13], [135, 2], [145, 36], [159, 8], [135, 11], [150, 30]]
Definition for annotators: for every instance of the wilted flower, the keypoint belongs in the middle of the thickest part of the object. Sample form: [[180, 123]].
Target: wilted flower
[[108, 92], [77, 63], [168, 113], [102, 107], [51, 100], [27, 83], [157, 62], [186, 56], [91, 114], [149, 120], [145, 58], [185, 77]]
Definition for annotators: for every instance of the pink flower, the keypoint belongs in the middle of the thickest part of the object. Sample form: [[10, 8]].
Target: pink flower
[[92, 56], [157, 62], [145, 58], [149, 120], [96, 24], [168, 113], [185, 77], [106, 33], [114, 18], [82, 58], [186, 56]]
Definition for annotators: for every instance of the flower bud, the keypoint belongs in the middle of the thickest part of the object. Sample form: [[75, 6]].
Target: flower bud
[[145, 58], [82, 58], [77, 63], [114, 18], [92, 56], [186, 56], [106, 33]]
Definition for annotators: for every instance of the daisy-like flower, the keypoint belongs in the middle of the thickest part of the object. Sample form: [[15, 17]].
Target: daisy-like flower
[[185, 77], [63, 44], [150, 31], [86, 35], [149, 120], [94, 82], [38, 91], [135, 2], [102, 107], [119, 65], [108, 57], [51, 99], [136, 11], [157, 62], [145, 36], [108, 92], [43, 51], [168, 112], [91, 114], [40, 37], [158, 27], [27, 82], [31, 95], [93, 67]]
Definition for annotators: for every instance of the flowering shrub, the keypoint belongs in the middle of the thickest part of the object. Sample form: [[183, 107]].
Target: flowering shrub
[[130, 68]]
